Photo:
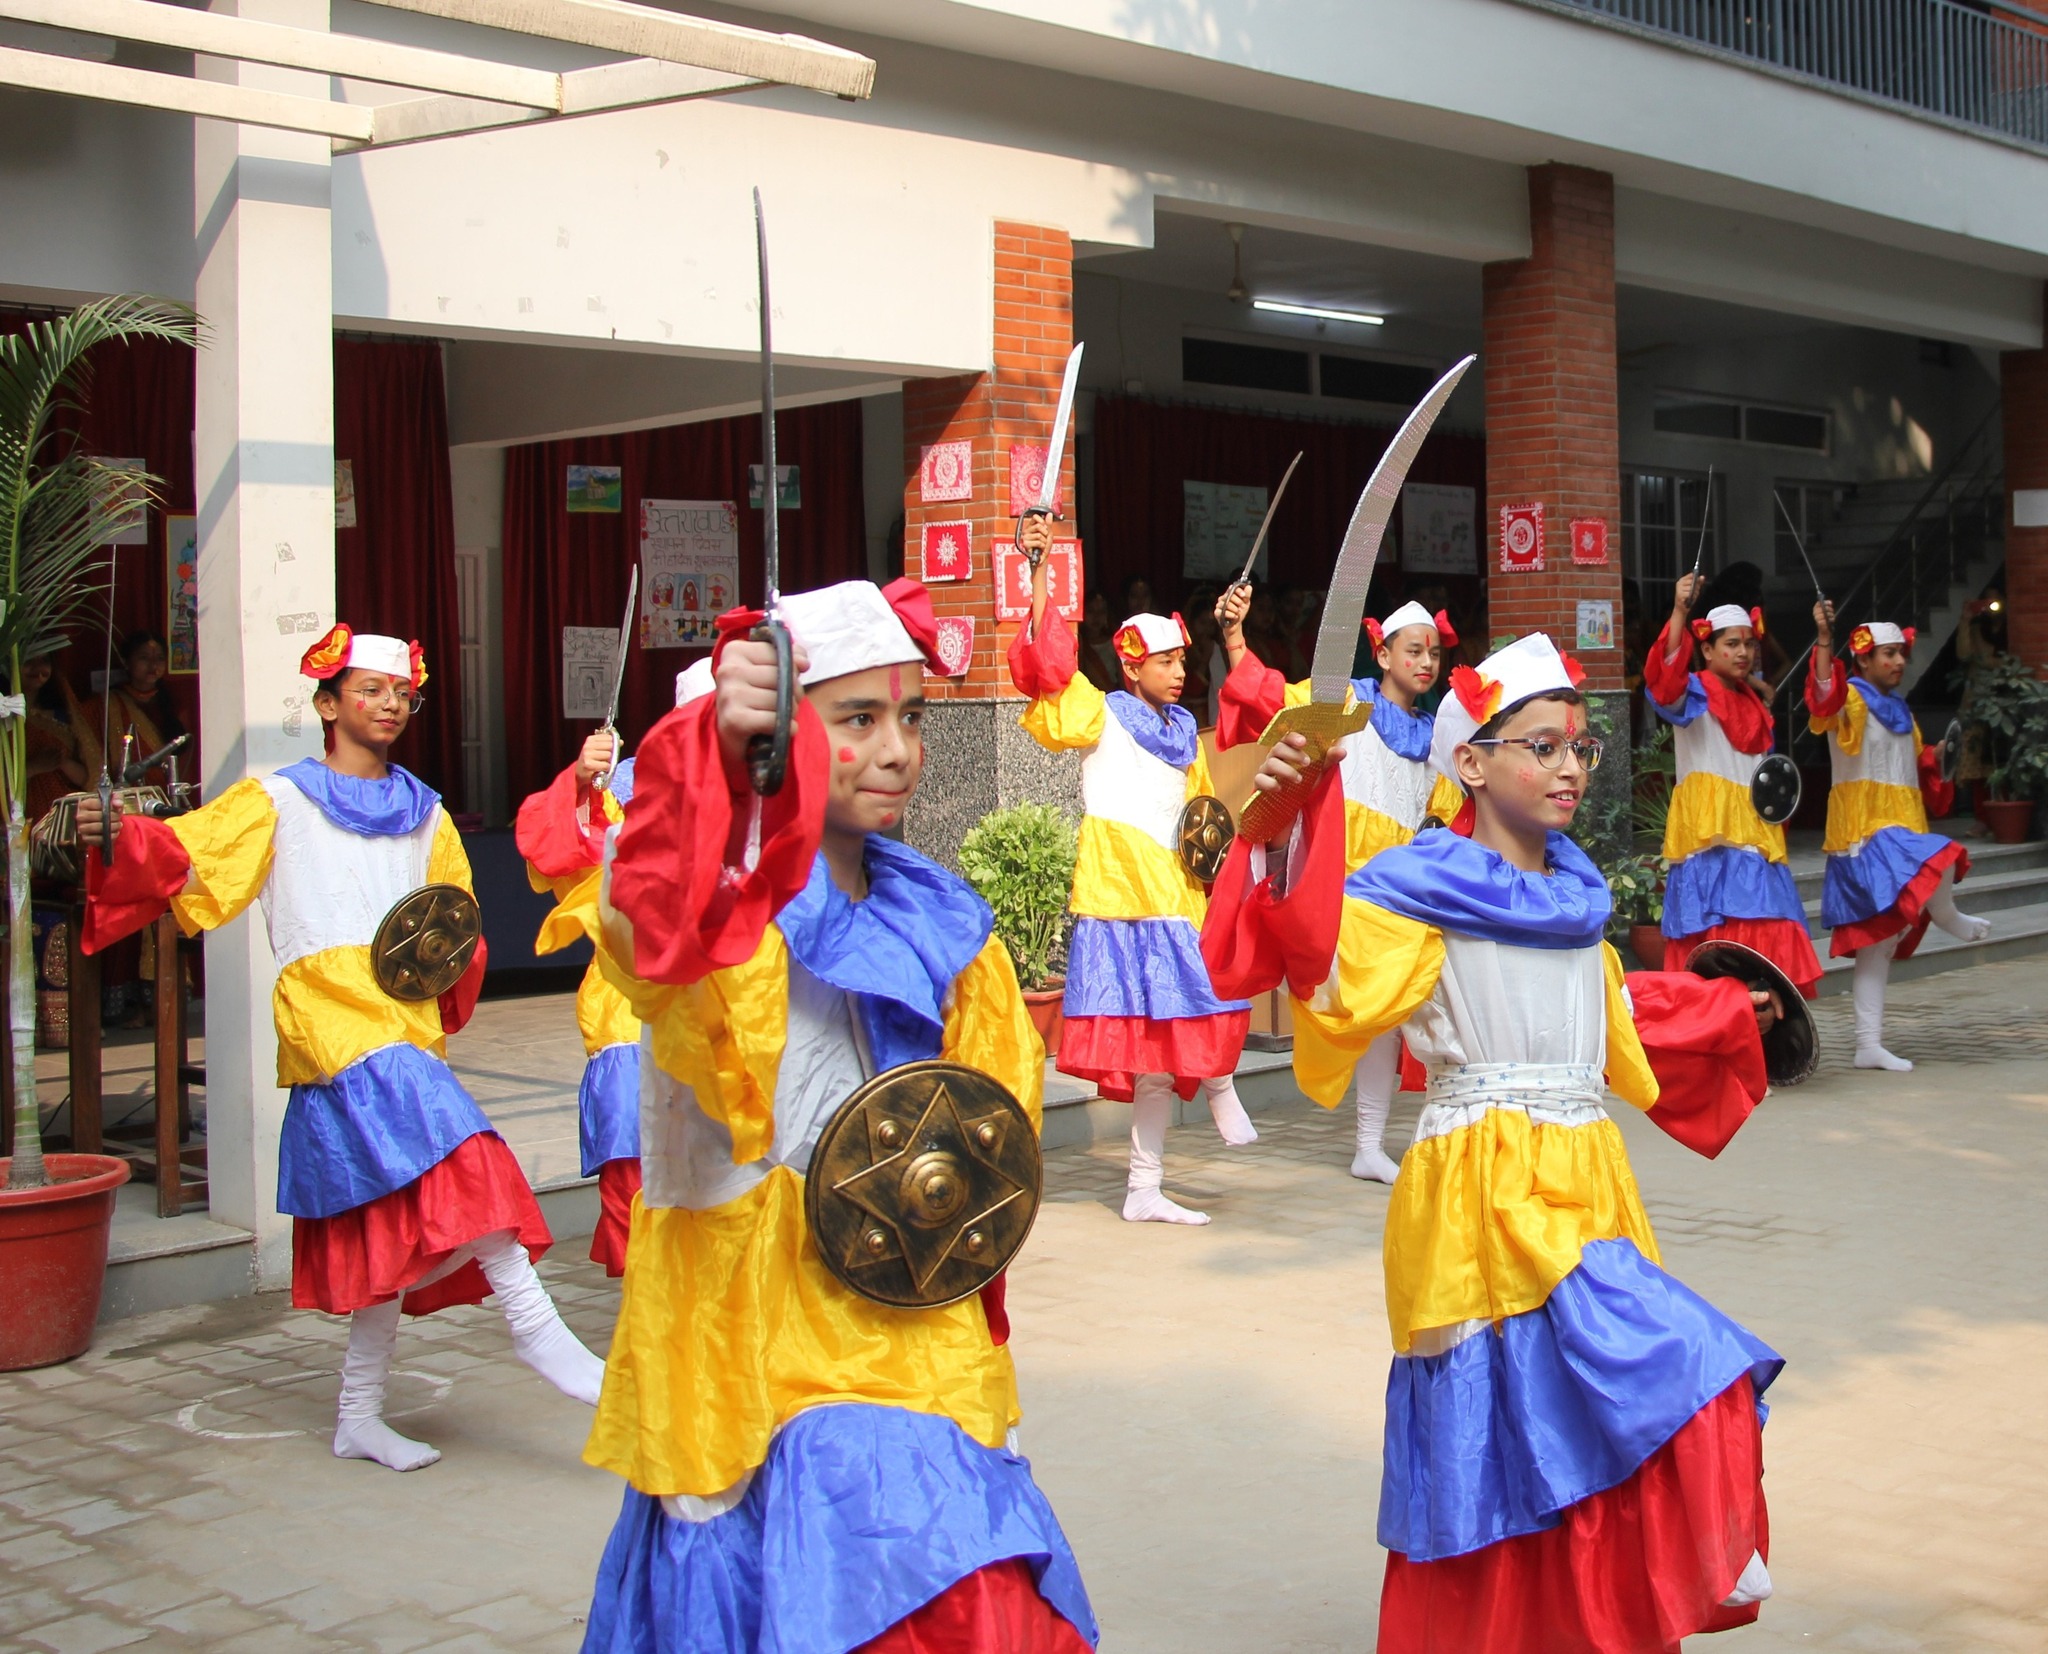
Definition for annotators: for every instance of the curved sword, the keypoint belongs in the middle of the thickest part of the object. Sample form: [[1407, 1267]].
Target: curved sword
[[1244, 575]]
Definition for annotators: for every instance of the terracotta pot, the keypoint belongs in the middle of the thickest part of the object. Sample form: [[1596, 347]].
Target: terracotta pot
[[1646, 942], [1044, 1005], [2010, 819], [53, 1258]]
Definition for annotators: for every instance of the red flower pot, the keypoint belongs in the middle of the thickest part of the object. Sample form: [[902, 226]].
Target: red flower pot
[[1047, 1016], [53, 1258], [2010, 819]]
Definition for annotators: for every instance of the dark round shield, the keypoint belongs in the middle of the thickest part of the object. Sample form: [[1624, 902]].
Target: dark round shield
[[426, 942], [1791, 1048], [1204, 836], [923, 1185], [1774, 789], [1951, 749]]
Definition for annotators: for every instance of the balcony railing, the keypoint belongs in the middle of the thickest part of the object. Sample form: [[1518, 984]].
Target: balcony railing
[[1981, 65]]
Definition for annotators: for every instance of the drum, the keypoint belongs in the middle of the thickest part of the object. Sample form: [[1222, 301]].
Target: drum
[[53, 841]]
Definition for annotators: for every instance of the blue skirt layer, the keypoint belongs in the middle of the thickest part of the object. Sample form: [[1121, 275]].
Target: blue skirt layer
[[1723, 883], [1151, 969], [1498, 1435], [859, 1517], [380, 1123], [1868, 883], [608, 1106]]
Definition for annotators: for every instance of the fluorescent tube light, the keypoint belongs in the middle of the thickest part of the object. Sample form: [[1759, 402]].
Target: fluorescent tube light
[[1318, 312]]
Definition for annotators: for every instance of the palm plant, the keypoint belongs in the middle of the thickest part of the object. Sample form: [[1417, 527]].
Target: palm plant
[[58, 508]]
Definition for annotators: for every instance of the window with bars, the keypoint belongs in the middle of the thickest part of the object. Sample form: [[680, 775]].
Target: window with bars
[[1662, 515]]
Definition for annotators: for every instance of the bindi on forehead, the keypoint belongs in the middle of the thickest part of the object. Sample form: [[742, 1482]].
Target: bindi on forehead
[[895, 683]]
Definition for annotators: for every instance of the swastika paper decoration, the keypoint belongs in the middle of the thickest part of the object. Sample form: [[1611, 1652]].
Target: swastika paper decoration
[[948, 552], [1013, 580], [946, 472], [1027, 478], [1589, 540], [956, 644], [1521, 538]]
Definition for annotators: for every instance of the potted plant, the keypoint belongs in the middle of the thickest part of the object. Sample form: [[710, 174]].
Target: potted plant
[[2009, 704], [1021, 860], [1637, 885], [58, 508]]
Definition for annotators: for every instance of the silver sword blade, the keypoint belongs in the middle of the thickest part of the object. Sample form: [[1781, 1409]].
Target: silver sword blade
[[1706, 517], [771, 547], [1056, 449], [1344, 608], [1801, 544], [1259, 539], [611, 718]]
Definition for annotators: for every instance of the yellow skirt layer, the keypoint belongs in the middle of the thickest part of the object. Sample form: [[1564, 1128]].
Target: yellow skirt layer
[[1707, 810], [330, 1013], [1485, 1220], [729, 1326], [1857, 809], [1122, 873]]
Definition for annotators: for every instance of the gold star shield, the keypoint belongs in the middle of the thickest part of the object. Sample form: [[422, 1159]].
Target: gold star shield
[[426, 942], [923, 1185]]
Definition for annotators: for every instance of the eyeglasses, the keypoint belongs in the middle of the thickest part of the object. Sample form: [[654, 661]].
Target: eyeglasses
[[397, 694], [1550, 753]]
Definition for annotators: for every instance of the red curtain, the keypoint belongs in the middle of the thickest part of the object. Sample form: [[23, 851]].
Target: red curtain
[[563, 570], [1145, 450], [394, 572]]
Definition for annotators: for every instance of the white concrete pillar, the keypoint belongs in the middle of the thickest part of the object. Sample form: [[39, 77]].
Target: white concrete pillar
[[264, 464]]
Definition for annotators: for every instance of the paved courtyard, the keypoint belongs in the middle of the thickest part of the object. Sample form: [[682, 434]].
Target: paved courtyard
[[1202, 1406]]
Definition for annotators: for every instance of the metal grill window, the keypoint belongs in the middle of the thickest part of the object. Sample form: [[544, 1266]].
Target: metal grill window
[[1661, 515]]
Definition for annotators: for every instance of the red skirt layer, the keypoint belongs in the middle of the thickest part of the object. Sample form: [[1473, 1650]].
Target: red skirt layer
[[1908, 914], [618, 1181], [1111, 1052], [993, 1609], [1783, 943], [1627, 1571], [374, 1252]]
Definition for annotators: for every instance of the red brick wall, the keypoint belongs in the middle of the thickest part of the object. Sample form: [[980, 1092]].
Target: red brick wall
[[2023, 386], [1034, 331], [1551, 425]]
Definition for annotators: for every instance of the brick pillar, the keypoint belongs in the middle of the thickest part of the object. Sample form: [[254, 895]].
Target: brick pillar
[[1552, 432], [2023, 388], [977, 759]]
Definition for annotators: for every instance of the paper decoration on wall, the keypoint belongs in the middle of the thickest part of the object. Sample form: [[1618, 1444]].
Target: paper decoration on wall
[[588, 655], [948, 552], [956, 644], [181, 581], [1596, 625], [1521, 538], [946, 471], [1027, 478], [1589, 540], [1013, 580], [1218, 522], [789, 493], [596, 488], [1439, 529], [344, 493], [689, 571], [126, 488]]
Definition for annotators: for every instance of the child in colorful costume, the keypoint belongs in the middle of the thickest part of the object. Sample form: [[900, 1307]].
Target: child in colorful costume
[[401, 1194], [1887, 876], [1573, 1446], [561, 833], [1729, 878], [810, 1471], [1390, 786], [1142, 1022]]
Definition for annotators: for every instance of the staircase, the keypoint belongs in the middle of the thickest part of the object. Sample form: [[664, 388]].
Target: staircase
[[2008, 884]]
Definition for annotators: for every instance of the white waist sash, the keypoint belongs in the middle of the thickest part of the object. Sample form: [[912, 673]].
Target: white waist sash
[[1549, 1093]]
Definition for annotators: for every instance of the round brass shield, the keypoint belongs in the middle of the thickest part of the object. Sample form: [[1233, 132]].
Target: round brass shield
[[426, 942], [923, 1185], [1204, 837], [1775, 788]]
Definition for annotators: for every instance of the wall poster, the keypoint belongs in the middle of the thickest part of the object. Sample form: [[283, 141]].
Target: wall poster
[[689, 571], [1439, 530], [588, 654], [1218, 522], [181, 571]]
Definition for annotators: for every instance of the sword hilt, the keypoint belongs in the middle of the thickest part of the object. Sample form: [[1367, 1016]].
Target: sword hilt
[[107, 829], [1033, 558], [768, 755], [603, 778]]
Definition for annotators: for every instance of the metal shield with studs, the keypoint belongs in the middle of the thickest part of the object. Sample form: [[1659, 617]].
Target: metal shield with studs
[[1792, 1046], [426, 942], [1951, 749], [1204, 836], [923, 1185], [1775, 789]]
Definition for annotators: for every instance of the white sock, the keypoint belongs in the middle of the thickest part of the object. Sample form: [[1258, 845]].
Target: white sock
[[1377, 1072], [1942, 909], [1232, 1123], [359, 1430], [1151, 1108], [539, 1336], [1753, 1586], [1873, 966]]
